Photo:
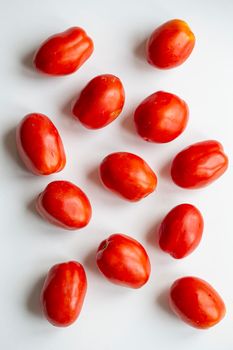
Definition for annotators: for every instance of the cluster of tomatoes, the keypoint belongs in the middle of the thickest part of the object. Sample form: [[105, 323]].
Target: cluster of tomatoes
[[161, 118]]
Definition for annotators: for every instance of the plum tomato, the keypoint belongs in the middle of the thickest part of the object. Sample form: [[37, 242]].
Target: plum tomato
[[127, 175], [39, 145], [64, 53], [63, 293], [181, 230], [161, 117], [100, 102], [196, 302], [199, 164], [170, 44], [123, 261], [65, 205]]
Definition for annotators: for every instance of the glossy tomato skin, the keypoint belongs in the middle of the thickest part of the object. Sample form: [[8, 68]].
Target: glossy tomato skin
[[65, 205], [39, 145], [196, 302], [64, 53], [161, 117], [127, 175], [123, 261], [100, 102], [181, 230], [199, 164], [63, 293], [170, 44]]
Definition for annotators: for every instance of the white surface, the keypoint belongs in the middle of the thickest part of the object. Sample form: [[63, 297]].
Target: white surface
[[113, 317]]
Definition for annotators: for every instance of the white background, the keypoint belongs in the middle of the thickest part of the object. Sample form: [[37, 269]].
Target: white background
[[113, 317]]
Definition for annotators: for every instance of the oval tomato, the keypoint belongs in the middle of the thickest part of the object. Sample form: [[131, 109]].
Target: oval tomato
[[196, 302], [170, 44], [181, 230], [63, 293], [199, 164], [64, 204], [40, 145], [64, 53], [100, 102], [127, 175], [123, 261], [161, 117]]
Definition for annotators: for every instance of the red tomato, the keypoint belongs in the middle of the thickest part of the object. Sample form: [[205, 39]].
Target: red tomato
[[64, 53], [64, 204], [196, 302], [123, 261], [39, 145], [100, 102], [199, 164], [161, 117], [127, 175], [170, 44], [63, 293], [181, 230]]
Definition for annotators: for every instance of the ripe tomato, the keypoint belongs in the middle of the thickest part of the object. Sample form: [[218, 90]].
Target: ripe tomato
[[100, 102], [196, 302], [39, 145], [64, 53], [127, 175], [63, 293], [64, 204], [170, 44], [161, 117], [199, 164], [181, 230], [123, 261]]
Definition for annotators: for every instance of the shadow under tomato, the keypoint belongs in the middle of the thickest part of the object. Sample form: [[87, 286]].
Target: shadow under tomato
[[162, 300], [9, 142], [140, 50], [27, 60], [127, 124], [93, 176], [68, 106], [152, 236], [90, 262], [70, 121], [33, 304], [31, 207], [165, 171]]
